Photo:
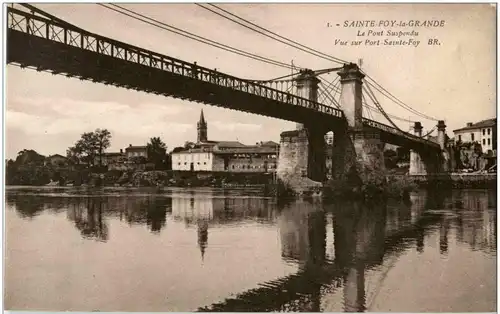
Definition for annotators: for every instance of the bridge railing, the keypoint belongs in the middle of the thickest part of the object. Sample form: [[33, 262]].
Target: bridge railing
[[389, 129], [35, 25]]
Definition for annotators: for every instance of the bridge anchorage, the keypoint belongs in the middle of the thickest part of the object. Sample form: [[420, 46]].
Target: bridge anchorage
[[358, 142]]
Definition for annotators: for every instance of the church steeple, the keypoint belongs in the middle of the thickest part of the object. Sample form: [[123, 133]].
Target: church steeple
[[202, 128], [202, 237]]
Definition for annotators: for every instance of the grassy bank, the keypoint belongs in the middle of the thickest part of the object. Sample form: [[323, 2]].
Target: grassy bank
[[60, 176]]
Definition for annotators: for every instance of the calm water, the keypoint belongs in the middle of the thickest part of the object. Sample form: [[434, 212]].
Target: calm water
[[204, 250]]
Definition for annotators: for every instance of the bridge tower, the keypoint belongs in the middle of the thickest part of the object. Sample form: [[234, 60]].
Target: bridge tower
[[302, 163], [423, 163], [441, 138], [357, 150], [417, 165], [307, 87]]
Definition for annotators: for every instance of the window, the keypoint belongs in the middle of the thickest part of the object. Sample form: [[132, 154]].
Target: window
[[484, 131], [489, 142], [484, 141], [460, 138], [232, 167], [179, 164], [204, 163], [489, 130], [472, 137]]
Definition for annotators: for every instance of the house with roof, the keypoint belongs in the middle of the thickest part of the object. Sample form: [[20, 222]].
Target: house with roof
[[56, 160], [482, 132], [132, 152], [233, 156], [111, 158]]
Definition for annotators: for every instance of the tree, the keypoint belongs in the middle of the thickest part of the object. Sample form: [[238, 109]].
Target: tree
[[178, 149], [157, 152], [90, 146], [29, 156], [103, 140], [74, 154], [138, 159]]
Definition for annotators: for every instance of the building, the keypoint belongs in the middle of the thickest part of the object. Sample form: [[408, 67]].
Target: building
[[232, 156], [112, 158], [56, 160], [136, 151], [483, 132]]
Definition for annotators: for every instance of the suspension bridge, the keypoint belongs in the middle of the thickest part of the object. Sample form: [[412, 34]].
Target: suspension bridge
[[39, 40]]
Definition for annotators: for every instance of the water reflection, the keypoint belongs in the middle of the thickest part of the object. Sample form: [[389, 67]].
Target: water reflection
[[364, 238], [343, 252], [88, 218]]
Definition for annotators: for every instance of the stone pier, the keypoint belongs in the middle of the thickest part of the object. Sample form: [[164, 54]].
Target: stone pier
[[445, 155], [425, 162], [358, 151], [301, 161], [417, 164]]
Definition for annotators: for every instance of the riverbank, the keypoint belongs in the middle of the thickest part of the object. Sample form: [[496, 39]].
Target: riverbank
[[451, 180], [396, 185], [85, 177], [399, 186]]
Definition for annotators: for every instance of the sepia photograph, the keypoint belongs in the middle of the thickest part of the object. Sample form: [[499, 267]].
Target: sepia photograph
[[250, 157]]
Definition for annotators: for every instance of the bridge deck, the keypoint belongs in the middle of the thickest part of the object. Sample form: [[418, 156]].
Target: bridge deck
[[45, 44], [48, 45], [392, 135]]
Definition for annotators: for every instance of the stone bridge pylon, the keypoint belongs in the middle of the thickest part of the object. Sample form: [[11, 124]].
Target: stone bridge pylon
[[357, 150], [424, 162]]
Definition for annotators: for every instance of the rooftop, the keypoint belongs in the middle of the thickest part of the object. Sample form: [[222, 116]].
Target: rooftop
[[269, 143], [244, 149], [56, 156], [479, 125], [130, 147], [225, 144], [113, 154]]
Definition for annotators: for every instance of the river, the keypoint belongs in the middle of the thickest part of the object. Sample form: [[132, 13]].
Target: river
[[118, 249]]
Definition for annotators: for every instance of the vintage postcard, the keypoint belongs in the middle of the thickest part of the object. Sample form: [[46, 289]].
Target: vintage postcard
[[329, 157]]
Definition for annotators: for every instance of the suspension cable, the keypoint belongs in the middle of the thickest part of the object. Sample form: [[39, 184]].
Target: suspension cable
[[329, 97], [326, 90], [379, 107], [195, 37], [393, 98], [315, 52]]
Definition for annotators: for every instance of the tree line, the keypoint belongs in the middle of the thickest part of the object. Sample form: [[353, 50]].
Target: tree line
[[87, 154], [91, 148]]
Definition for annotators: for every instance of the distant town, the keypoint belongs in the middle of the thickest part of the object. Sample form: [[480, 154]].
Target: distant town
[[473, 147]]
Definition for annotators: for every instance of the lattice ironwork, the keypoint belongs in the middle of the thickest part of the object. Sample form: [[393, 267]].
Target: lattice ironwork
[[39, 26], [392, 130]]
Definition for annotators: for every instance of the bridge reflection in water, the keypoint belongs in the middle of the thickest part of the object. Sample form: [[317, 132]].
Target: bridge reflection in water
[[343, 251], [336, 245]]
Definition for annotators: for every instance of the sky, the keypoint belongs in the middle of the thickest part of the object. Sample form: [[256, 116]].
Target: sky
[[455, 81]]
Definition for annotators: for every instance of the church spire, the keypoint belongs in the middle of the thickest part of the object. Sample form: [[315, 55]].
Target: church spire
[[202, 117], [202, 237], [202, 128]]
